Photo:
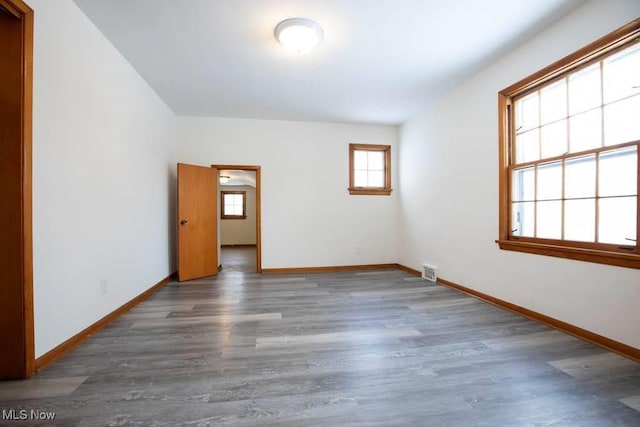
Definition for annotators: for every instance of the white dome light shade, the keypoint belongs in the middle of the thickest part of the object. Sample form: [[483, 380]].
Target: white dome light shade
[[298, 34]]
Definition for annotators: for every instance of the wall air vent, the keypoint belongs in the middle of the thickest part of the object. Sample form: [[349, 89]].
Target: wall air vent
[[430, 272]]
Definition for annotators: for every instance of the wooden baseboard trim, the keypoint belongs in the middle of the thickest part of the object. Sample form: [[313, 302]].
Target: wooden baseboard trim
[[248, 245], [78, 338], [327, 269], [583, 334], [409, 270]]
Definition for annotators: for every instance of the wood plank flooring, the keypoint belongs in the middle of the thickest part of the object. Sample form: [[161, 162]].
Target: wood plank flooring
[[373, 348]]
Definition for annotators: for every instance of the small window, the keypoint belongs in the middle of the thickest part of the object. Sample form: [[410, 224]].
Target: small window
[[234, 204], [569, 142], [369, 169]]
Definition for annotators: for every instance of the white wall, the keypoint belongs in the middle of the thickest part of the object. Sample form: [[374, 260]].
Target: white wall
[[102, 163], [308, 217], [240, 231], [104, 185], [448, 202]]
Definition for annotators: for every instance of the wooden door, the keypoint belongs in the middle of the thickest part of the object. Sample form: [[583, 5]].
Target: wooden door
[[197, 221], [17, 359]]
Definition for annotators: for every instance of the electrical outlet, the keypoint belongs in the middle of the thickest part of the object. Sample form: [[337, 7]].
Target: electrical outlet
[[104, 286], [358, 250]]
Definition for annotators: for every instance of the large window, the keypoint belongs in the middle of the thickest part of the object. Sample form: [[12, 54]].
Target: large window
[[569, 141], [234, 204], [369, 169]]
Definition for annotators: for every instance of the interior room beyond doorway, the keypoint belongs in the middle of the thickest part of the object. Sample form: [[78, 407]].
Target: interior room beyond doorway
[[238, 220]]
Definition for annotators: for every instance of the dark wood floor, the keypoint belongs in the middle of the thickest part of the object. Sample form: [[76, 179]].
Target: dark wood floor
[[377, 348]]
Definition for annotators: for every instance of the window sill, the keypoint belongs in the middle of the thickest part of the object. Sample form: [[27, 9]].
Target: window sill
[[630, 260], [234, 217], [370, 191]]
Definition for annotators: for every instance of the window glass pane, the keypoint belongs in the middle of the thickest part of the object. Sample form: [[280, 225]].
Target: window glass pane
[[522, 219], [622, 74], [375, 179], [523, 184], [232, 204], [376, 160], [585, 131], [548, 221], [527, 112], [580, 220], [360, 178], [617, 220], [580, 177], [553, 102], [527, 146], [553, 139], [359, 159], [622, 121], [617, 175], [584, 89], [550, 181]]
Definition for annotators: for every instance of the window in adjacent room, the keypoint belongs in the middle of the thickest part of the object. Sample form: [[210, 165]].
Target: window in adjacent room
[[234, 204], [569, 141], [369, 169]]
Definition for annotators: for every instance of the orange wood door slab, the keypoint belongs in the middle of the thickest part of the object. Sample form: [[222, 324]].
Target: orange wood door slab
[[16, 289], [197, 221]]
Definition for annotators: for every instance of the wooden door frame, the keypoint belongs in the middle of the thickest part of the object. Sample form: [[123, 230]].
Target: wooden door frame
[[256, 169], [24, 348]]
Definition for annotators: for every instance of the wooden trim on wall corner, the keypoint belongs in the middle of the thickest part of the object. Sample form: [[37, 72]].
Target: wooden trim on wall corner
[[81, 336], [583, 334], [27, 181], [326, 269]]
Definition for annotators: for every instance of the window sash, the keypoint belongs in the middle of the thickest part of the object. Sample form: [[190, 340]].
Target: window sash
[[369, 174], [561, 74], [231, 202]]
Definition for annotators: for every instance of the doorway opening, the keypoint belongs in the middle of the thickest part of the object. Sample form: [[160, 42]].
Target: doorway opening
[[239, 218]]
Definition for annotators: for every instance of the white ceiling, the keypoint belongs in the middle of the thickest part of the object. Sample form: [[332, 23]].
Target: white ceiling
[[239, 177], [379, 62]]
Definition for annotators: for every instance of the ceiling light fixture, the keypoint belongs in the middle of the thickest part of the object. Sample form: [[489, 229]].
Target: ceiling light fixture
[[298, 34], [224, 179]]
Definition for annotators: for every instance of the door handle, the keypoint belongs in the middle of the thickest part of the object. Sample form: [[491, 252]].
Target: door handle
[[184, 222]]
